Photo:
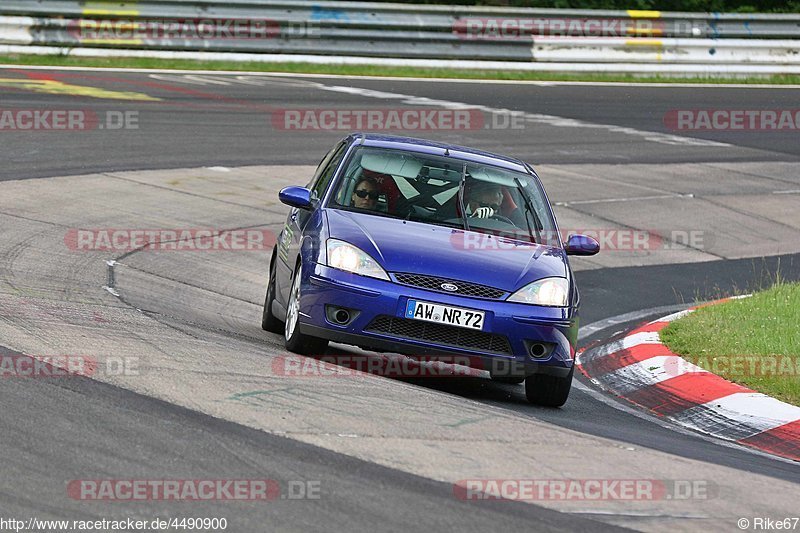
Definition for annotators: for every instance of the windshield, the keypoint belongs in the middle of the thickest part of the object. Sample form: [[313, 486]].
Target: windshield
[[446, 191]]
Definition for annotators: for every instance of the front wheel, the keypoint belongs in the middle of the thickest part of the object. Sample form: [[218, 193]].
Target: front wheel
[[550, 391], [295, 341], [507, 379], [270, 322]]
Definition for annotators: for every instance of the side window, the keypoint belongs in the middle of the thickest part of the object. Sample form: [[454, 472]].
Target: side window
[[322, 165], [326, 169]]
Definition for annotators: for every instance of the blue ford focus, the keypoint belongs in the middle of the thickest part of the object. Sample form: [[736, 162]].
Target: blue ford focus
[[431, 250]]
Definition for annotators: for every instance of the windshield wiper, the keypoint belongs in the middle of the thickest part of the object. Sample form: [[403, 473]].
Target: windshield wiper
[[529, 209], [461, 196]]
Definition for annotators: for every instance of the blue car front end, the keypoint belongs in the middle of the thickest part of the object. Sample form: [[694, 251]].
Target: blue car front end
[[412, 264], [515, 338]]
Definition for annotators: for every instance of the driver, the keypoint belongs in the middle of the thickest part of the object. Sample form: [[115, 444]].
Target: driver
[[483, 199]]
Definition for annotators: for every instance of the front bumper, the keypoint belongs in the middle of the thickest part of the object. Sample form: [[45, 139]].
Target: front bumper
[[520, 324]]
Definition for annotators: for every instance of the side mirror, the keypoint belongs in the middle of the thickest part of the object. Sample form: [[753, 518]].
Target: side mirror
[[581, 245], [298, 197]]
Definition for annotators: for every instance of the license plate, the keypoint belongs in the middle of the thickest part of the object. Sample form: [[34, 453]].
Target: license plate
[[444, 314]]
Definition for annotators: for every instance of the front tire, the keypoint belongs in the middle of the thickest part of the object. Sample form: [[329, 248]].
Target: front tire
[[270, 322], [549, 391], [295, 341], [513, 380]]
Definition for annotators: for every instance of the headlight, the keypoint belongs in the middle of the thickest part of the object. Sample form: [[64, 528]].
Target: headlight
[[553, 292], [345, 256]]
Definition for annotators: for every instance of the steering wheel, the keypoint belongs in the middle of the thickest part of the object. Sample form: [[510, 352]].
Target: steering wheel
[[502, 218]]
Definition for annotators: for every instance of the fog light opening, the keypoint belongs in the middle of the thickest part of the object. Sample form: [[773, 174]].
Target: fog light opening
[[342, 316], [538, 350]]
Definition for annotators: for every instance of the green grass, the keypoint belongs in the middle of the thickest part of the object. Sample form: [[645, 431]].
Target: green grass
[[752, 341], [367, 70]]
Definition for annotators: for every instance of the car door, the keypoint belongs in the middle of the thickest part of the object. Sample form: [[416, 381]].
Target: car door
[[291, 237]]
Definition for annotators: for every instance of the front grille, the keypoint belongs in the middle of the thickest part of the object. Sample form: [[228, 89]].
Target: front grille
[[441, 334], [433, 283]]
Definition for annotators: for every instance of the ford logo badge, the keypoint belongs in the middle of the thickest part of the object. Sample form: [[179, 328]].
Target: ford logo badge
[[449, 287]]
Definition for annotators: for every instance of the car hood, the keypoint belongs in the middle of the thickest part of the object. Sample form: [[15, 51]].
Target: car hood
[[406, 246]]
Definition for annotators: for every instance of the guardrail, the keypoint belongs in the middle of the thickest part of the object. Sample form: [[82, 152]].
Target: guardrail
[[382, 31]]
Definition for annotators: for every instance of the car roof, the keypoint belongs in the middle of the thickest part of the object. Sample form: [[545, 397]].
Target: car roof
[[426, 146]]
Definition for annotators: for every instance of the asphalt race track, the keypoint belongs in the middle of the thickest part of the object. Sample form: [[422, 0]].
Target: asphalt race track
[[204, 397]]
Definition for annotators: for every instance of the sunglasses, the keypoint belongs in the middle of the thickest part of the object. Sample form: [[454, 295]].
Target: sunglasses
[[366, 194]]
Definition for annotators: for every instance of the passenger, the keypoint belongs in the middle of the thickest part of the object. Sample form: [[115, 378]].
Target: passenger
[[365, 194]]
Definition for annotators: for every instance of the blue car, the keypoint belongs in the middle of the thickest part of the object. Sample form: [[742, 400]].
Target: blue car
[[426, 249]]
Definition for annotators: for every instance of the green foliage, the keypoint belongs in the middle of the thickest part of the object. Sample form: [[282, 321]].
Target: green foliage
[[753, 341]]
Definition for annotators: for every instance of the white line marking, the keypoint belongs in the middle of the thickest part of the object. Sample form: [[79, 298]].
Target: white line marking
[[636, 514], [673, 316], [658, 68], [538, 118], [205, 80], [550, 120], [112, 291], [634, 199], [541, 83], [671, 425], [644, 337], [754, 409], [594, 327], [649, 372]]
